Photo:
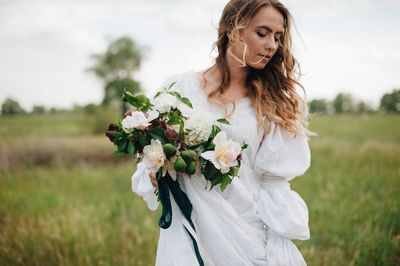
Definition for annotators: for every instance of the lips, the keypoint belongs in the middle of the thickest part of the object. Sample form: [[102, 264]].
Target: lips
[[265, 56]]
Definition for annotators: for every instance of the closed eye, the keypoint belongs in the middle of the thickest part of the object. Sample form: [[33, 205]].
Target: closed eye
[[261, 34]]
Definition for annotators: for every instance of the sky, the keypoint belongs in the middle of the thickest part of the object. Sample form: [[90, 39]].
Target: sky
[[350, 46]]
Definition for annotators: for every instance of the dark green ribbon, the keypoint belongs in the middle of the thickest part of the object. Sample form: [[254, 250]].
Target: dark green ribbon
[[166, 183]]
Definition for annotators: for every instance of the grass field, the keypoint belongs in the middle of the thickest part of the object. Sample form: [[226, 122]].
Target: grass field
[[65, 201]]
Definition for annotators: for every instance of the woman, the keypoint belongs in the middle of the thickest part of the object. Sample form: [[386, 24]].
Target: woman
[[252, 83]]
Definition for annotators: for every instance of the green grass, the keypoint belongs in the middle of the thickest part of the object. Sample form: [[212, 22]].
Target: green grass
[[352, 190], [71, 213], [43, 125], [78, 216]]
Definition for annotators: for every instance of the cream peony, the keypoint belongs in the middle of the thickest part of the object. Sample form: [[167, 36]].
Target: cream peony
[[153, 155], [164, 102], [185, 109], [199, 126], [139, 120], [225, 153]]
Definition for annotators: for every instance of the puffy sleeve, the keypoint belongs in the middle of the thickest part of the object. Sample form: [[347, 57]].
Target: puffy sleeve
[[140, 179], [281, 157], [142, 186]]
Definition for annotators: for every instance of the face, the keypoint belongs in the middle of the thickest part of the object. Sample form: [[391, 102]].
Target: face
[[262, 37]]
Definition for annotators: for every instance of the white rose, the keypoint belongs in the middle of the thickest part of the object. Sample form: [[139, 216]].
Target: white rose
[[164, 102], [199, 126], [225, 153], [153, 155], [139, 120]]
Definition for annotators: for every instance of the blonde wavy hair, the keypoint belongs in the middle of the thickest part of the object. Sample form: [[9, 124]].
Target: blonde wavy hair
[[272, 89]]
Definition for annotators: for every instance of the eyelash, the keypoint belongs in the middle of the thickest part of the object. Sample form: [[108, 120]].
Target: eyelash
[[263, 35]]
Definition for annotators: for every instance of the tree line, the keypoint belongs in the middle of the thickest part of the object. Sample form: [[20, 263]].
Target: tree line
[[346, 103], [342, 103], [116, 67]]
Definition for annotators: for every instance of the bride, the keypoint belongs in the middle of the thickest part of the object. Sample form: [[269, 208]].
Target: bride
[[252, 83]]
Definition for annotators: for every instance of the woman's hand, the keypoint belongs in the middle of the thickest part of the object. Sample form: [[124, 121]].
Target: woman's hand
[[153, 179]]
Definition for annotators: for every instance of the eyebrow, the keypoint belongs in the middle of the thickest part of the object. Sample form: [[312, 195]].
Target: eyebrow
[[268, 28]]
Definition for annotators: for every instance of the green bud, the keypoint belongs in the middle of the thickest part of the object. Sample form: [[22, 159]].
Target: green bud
[[191, 168], [193, 153], [187, 156], [180, 165], [169, 149]]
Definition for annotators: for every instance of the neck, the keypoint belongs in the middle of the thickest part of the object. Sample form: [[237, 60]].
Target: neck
[[238, 72]]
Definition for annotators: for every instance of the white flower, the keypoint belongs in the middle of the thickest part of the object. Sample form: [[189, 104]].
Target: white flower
[[139, 120], [164, 102], [225, 153], [153, 155], [199, 126], [185, 109]]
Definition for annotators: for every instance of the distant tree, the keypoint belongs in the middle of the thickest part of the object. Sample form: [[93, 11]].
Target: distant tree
[[318, 106], [38, 109], [116, 67], [362, 107], [114, 90], [390, 102], [11, 107], [54, 110], [343, 103], [90, 108]]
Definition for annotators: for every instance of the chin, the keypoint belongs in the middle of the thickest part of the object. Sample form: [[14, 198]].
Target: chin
[[258, 66]]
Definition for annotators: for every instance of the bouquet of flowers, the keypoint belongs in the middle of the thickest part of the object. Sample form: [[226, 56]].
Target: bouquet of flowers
[[170, 139]]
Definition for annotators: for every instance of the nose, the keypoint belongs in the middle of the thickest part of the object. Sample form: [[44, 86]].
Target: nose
[[270, 44]]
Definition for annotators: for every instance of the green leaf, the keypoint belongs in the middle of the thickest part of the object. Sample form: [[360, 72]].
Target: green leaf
[[181, 128], [210, 146], [174, 117], [129, 98], [122, 145], [115, 133], [176, 94], [158, 133], [223, 121], [144, 102], [118, 141], [172, 84], [234, 171], [140, 102], [142, 141], [214, 131], [244, 146], [131, 148], [187, 102], [216, 181], [210, 172], [158, 94], [226, 180], [174, 120]]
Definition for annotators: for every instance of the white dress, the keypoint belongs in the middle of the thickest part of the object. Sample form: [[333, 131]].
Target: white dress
[[254, 220]]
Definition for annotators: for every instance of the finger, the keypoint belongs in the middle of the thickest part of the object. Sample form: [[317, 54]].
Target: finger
[[154, 184]]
